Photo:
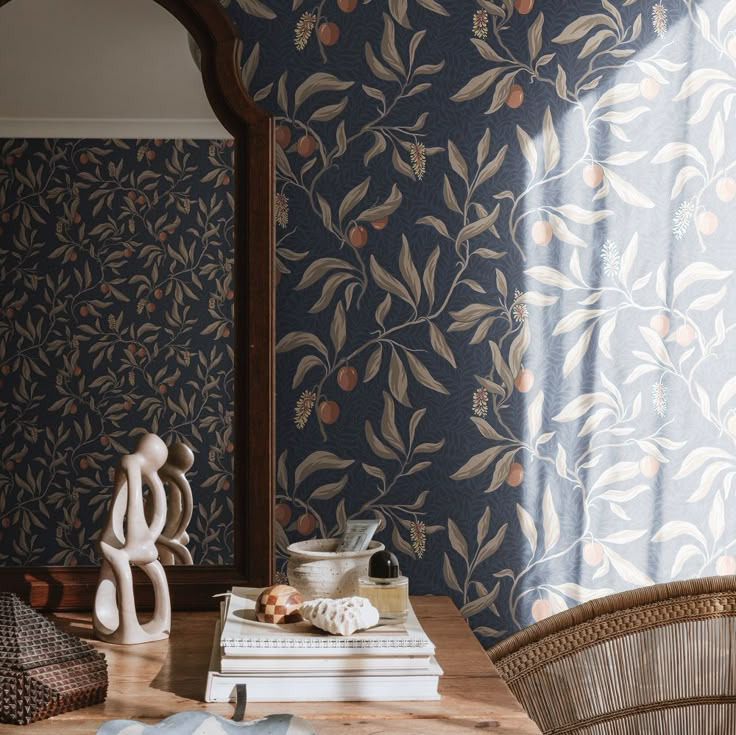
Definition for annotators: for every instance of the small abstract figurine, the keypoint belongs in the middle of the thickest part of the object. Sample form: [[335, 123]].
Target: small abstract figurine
[[129, 539], [171, 544]]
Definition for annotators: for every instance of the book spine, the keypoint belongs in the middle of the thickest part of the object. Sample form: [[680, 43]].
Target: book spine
[[237, 651], [220, 688], [324, 643]]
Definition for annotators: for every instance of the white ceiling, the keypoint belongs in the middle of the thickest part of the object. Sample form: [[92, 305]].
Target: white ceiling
[[99, 68]]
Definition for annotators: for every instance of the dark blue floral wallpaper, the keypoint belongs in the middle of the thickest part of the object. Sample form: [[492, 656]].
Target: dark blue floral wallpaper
[[505, 312], [115, 319]]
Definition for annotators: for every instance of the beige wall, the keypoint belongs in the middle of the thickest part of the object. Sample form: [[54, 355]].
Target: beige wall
[[99, 68]]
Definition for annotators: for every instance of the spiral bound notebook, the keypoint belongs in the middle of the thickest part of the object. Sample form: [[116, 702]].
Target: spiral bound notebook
[[243, 635]]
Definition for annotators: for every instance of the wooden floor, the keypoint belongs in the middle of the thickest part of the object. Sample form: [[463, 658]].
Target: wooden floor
[[152, 681]]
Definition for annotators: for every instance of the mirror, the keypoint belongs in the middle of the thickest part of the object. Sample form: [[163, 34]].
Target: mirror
[[136, 265]]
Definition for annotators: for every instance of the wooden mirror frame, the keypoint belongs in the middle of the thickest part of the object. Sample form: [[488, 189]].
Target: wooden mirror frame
[[192, 587]]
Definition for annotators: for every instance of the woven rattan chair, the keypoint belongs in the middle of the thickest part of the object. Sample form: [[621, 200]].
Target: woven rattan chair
[[656, 660]]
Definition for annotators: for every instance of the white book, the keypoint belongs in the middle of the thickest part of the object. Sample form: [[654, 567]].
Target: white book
[[337, 664], [374, 686], [243, 635]]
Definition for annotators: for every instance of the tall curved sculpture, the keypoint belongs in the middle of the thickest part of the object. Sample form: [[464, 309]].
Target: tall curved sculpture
[[130, 539]]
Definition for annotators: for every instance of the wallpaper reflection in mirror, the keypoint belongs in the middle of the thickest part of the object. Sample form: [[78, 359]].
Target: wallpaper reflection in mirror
[[116, 319]]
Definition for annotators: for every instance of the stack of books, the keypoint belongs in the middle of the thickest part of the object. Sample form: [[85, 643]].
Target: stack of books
[[296, 662]]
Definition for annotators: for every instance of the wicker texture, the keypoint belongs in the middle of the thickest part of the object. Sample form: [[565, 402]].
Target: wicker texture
[[44, 671], [656, 659]]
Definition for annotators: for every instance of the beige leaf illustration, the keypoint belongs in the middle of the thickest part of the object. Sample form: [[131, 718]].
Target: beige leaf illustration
[[477, 464], [698, 271], [320, 460], [388, 424], [534, 414], [526, 523], [397, 381], [318, 82], [576, 354], [353, 197], [580, 27], [534, 36], [528, 148], [551, 143]]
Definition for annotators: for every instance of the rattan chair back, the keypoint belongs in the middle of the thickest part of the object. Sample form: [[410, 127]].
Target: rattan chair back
[[654, 660]]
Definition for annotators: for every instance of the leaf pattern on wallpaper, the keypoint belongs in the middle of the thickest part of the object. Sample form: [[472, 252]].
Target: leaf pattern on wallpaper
[[116, 260], [507, 245], [504, 302]]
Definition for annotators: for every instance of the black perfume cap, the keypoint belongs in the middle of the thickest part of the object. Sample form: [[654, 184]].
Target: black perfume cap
[[384, 565]]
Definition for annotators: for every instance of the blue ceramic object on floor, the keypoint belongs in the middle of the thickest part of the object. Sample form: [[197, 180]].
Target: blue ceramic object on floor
[[205, 723]]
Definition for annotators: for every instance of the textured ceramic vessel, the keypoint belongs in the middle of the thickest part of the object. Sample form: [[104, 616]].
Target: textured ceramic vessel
[[316, 569]]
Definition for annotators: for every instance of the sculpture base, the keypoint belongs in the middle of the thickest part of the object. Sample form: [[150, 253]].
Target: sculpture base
[[132, 638]]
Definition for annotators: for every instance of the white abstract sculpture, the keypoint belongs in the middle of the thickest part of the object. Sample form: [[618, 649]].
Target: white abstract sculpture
[[171, 544], [340, 617], [130, 538]]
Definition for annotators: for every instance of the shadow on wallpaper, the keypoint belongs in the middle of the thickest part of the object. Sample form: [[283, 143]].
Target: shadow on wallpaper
[[505, 311], [115, 318]]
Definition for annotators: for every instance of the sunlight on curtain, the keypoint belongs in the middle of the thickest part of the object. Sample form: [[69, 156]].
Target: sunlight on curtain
[[625, 354]]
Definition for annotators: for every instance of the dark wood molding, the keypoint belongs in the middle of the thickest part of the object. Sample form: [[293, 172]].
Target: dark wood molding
[[69, 588], [73, 588]]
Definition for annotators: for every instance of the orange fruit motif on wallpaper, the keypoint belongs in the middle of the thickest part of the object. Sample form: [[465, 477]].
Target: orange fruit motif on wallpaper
[[541, 609], [305, 146], [726, 189], [329, 33], [524, 6], [358, 236], [725, 565], [515, 475], [524, 380], [306, 524], [592, 554], [685, 335], [660, 324], [542, 233], [328, 412], [516, 96], [649, 466], [282, 514], [283, 135], [593, 175], [649, 88], [707, 222], [347, 378]]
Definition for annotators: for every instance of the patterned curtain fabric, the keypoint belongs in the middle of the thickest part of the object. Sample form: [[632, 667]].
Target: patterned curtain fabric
[[505, 311]]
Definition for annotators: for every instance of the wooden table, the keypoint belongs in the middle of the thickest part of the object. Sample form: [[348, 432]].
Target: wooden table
[[151, 681]]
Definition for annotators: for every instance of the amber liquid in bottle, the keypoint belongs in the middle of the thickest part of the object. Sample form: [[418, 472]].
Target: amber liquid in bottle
[[389, 596]]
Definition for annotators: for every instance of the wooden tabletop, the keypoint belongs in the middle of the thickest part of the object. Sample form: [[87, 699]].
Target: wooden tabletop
[[151, 681]]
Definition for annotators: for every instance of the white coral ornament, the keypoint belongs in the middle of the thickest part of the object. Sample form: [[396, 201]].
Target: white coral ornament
[[340, 617]]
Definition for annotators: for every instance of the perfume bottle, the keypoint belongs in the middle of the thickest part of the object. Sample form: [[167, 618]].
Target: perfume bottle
[[384, 586]]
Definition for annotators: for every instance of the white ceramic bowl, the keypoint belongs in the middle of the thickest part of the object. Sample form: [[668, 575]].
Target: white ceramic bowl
[[317, 570]]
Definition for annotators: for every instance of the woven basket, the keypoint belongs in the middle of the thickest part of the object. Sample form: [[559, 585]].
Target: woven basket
[[43, 670], [660, 659]]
